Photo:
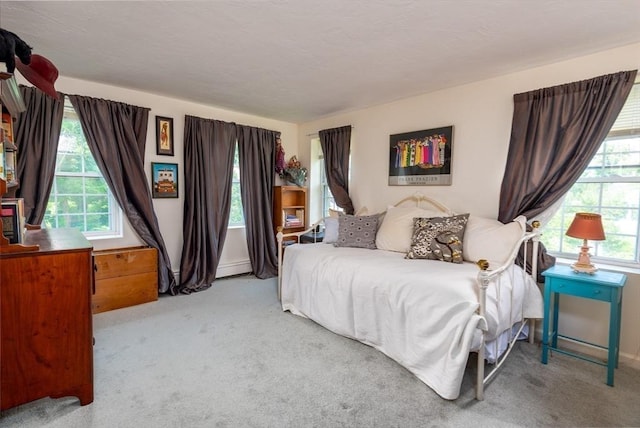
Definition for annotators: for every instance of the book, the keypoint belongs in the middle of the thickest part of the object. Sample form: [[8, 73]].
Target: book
[[13, 219], [11, 223]]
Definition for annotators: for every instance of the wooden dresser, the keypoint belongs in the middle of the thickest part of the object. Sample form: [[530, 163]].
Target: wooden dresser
[[46, 325]]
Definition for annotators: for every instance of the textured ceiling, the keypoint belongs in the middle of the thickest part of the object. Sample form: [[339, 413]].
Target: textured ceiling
[[298, 60]]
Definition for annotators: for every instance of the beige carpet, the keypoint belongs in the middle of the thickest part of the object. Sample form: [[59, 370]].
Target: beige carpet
[[229, 357]]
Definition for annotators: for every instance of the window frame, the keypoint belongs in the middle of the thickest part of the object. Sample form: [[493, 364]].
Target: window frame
[[114, 211]]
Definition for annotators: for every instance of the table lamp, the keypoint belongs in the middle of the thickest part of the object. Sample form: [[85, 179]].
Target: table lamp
[[586, 226]]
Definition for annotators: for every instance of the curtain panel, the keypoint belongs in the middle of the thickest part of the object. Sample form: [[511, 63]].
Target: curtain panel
[[257, 155], [555, 133], [336, 147], [209, 148], [116, 134], [37, 131]]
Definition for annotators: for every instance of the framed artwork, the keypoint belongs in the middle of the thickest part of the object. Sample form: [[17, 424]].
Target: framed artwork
[[164, 177], [421, 158], [164, 136]]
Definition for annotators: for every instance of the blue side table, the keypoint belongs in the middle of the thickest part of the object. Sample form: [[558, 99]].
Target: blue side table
[[602, 285]]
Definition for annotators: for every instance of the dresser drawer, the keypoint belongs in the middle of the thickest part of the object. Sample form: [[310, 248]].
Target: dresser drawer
[[581, 289]]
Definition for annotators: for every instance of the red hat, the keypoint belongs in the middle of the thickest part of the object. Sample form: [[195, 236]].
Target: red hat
[[41, 72]]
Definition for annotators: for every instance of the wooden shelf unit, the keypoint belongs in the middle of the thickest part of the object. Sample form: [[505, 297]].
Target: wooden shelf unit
[[11, 99], [289, 201]]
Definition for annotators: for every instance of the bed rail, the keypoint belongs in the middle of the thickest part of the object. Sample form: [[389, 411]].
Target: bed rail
[[485, 276]]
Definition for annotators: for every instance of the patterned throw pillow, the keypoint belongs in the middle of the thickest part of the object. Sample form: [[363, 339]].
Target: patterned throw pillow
[[438, 238], [357, 231]]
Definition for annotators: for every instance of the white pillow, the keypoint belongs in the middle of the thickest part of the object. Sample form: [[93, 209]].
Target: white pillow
[[491, 240], [330, 230], [396, 230]]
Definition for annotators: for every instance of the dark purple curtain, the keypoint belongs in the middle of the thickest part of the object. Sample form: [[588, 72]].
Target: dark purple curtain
[[554, 134], [116, 134], [257, 155], [209, 147], [37, 131], [336, 146]]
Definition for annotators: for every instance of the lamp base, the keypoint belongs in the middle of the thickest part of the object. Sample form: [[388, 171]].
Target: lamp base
[[584, 268]]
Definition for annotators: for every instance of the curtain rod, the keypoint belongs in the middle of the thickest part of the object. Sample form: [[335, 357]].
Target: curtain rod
[[316, 133]]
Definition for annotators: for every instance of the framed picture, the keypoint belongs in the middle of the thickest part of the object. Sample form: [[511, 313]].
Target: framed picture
[[164, 177], [421, 158], [164, 136]]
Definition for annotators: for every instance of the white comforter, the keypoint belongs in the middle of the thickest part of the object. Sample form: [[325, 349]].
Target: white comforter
[[421, 313]]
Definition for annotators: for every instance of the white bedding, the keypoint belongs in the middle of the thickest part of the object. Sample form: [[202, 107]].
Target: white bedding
[[421, 313]]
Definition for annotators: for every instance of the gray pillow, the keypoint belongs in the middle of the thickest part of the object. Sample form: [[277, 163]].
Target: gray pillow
[[438, 238], [330, 230], [357, 231]]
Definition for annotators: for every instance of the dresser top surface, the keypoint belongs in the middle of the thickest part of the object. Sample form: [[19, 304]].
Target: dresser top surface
[[53, 240], [603, 277]]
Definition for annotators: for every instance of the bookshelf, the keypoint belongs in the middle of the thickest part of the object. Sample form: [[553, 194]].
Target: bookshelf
[[11, 104], [289, 208]]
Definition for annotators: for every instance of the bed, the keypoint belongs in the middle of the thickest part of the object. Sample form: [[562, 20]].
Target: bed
[[427, 314]]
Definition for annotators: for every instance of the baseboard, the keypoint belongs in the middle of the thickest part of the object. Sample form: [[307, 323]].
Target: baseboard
[[226, 269], [233, 268]]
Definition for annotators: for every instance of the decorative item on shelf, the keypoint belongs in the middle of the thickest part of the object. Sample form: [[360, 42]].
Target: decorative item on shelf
[[294, 173], [10, 162], [281, 164], [586, 226]]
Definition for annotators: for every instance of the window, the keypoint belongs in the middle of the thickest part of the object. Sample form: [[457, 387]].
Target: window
[[80, 197], [328, 202], [610, 186], [236, 217]]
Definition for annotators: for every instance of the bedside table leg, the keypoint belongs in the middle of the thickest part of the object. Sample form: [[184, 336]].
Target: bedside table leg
[[614, 338], [545, 325], [556, 312]]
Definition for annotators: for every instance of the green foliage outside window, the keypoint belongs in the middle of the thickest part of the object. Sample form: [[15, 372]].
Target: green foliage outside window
[[236, 216]]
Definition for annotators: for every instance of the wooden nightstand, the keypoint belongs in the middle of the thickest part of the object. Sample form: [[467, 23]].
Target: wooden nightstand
[[602, 285]]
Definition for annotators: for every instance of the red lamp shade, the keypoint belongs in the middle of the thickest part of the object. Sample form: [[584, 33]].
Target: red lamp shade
[[587, 226]]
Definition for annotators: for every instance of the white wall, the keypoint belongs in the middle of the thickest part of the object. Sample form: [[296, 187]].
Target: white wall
[[481, 114], [235, 258]]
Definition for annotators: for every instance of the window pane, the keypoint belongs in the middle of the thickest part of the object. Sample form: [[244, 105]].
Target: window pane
[[617, 247], [236, 216], [96, 186], [68, 162], [98, 204], [97, 222], [75, 221], [620, 194], [583, 195], [90, 164]]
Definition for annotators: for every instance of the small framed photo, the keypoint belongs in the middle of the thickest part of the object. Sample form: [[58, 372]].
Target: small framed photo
[[164, 177], [164, 136]]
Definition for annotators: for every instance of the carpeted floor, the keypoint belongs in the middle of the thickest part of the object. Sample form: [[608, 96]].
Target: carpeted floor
[[229, 357]]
